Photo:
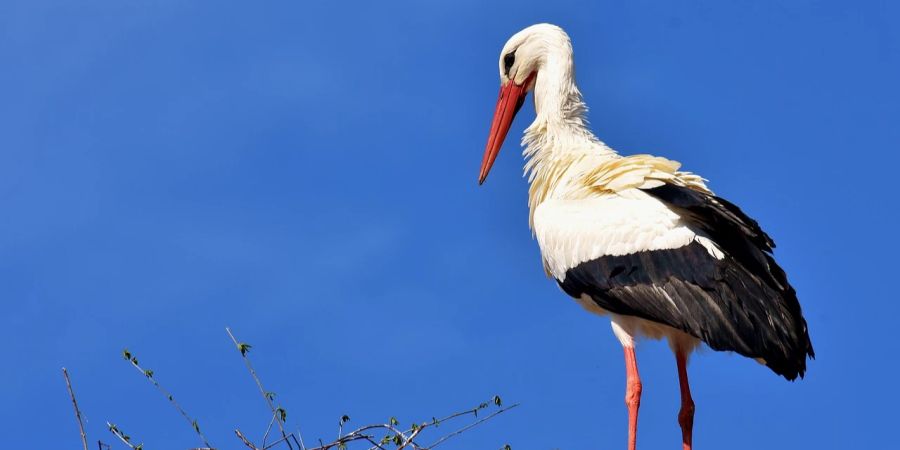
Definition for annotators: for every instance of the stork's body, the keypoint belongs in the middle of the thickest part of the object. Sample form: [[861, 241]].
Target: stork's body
[[638, 240]]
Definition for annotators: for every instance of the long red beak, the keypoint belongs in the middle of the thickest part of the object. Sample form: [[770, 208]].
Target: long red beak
[[511, 98]]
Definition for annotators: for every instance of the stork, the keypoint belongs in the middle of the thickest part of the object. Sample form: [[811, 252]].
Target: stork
[[638, 240]]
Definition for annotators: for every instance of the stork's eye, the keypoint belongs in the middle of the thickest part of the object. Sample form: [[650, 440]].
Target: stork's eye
[[508, 61]]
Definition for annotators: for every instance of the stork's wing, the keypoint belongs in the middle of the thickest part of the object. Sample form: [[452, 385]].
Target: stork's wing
[[692, 261]]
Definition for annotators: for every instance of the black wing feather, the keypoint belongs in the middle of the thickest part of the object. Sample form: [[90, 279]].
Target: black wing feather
[[741, 303]]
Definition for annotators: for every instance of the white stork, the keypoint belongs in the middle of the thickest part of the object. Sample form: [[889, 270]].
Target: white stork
[[634, 238]]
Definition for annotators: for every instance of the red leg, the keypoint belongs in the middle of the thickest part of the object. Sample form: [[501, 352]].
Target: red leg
[[686, 415], [632, 395]]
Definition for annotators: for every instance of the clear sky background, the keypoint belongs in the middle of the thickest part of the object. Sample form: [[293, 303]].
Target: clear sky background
[[305, 173]]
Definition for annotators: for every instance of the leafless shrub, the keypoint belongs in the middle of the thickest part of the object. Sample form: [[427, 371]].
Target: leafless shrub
[[391, 435]]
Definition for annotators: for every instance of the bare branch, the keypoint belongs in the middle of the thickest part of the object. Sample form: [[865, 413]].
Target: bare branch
[[77, 411], [472, 425], [126, 439], [378, 436], [245, 440], [298, 435], [268, 429], [406, 439], [278, 413], [149, 374]]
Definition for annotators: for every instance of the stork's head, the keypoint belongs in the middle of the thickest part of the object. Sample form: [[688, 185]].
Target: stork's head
[[523, 56]]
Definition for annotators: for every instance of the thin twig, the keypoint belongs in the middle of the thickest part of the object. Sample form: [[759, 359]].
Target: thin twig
[[149, 374], [435, 422], [471, 425], [295, 436], [360, 434], [245, 440], [407, 439], [268, 429], [285, 439], [344, 440], [123, 437], [376, 444], [262, 391], [77, 411]]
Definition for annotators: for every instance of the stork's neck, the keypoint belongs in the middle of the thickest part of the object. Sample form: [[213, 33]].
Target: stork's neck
[[558, 140], [557, 99]]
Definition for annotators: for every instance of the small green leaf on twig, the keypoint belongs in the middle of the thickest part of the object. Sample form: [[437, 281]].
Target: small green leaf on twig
[[270, 395], [244, 348], [126, 354], [497, 400], [148, 373], [344, 419], [394, 421], [507, 447], [195, 425], [282, 414], [397, 439]]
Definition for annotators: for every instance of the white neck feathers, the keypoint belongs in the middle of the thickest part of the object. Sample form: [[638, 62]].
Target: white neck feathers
[[559, 137]]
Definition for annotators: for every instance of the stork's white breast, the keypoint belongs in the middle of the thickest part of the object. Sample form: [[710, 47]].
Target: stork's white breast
[[570, 232]]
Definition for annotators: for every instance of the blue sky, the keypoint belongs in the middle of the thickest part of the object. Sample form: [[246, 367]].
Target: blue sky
[[305, 172]]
